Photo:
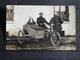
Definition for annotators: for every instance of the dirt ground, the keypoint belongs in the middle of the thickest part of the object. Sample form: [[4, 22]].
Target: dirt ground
[[67, 43]]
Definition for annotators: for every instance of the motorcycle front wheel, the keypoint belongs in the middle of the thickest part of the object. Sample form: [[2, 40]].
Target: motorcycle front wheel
[[55, 38]]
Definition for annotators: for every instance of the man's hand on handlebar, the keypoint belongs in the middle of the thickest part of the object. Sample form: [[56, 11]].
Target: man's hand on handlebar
[[51, 25]]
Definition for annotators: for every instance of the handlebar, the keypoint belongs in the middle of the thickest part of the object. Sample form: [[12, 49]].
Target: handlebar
[[51, 25]]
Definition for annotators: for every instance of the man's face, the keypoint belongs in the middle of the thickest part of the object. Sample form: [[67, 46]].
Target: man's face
[[41, 15], [55, 15]]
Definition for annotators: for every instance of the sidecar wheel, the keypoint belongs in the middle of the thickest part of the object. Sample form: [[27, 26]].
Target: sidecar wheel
[[21, 36]]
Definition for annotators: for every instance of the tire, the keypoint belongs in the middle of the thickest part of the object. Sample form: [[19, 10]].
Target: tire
[[21, 38], [55, 38]]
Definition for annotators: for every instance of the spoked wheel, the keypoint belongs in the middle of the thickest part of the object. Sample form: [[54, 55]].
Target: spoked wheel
[[21, 36], [55, 39]]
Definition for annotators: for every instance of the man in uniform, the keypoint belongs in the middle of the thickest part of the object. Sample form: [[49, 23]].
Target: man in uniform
[[56, 20], [41, 21]]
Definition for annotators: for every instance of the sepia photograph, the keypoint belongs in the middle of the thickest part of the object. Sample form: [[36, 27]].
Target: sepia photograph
[[40, 27]]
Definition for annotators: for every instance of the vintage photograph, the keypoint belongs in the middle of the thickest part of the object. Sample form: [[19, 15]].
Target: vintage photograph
[[40, 27]]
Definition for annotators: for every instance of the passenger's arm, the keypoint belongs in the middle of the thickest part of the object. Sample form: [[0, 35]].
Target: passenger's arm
[[46, 22]]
